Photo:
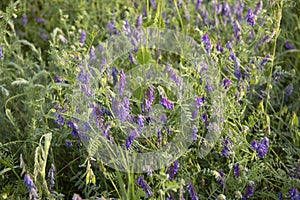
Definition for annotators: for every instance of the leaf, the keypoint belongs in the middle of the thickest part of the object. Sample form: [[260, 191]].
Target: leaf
[[144, 56], [295, 121]]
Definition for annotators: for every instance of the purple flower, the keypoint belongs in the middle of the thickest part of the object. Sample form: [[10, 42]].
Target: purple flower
[[1, 52], [141, 119], [40, 20], [112, 28], [106, 131], [58, 79], [76, 197], [236, 171], [237, 30], [149, 97], [238, 74], [289, 90], [198, 4], [265, 60], [192, 192], [258, 8], [51, 175], [63, 39], [207, 44], [173, 169], [221, 178], [133, 134], [139, 21], [68, 144], [166, 103], [114, 74], [24, 20], [288, 46], [226, 83], [249, 191], [195, 133], [227, 147], [294, 194], [142, 183], [229, 45], [122, 82], [83, 37], [74, 127], [132, 59], [92, 53], [163, 118], [219, 48], [32, 189], [200, 101], [280, 197], [204, 117], [124, 109], [44, 35], [153, 4], [261, 148], [250, 18], [173, 75]]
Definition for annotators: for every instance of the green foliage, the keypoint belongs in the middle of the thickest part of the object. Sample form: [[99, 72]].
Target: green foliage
[[263, 103]]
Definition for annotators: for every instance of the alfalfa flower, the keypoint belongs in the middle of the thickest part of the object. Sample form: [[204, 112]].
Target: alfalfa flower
[[195, 133], [236, 171], [250, 18], [40, 20], [261, 148], [141, 122], [114, 74], [142, 183], [74, 127], [249, 190], [227, 147], [289, 46], [24, 20], [192, 191], [83, 37], [226, 83], [198, 4], [51, 175], [134, 134], [149, 97], [237, 30], [173, 169], [139, 21], [1, 52], [258, 8], [167, 103], [294, 194], [207, 43], [200, 101], [31, 187], [122, 82], [153, 4]]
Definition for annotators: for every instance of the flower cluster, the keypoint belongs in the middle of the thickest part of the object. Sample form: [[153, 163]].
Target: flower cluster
[[167, 103], [173, 169], [249, 191], [51, 175], [31, 187], [142, 183], [192, 192], [261, 148], [227, 147], [134, 134]]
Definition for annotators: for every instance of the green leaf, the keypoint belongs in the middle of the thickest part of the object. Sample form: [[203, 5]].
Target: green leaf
[[295, 121], [144, 56]]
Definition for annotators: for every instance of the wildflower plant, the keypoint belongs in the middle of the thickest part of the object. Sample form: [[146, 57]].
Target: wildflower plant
[[154, 99]]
